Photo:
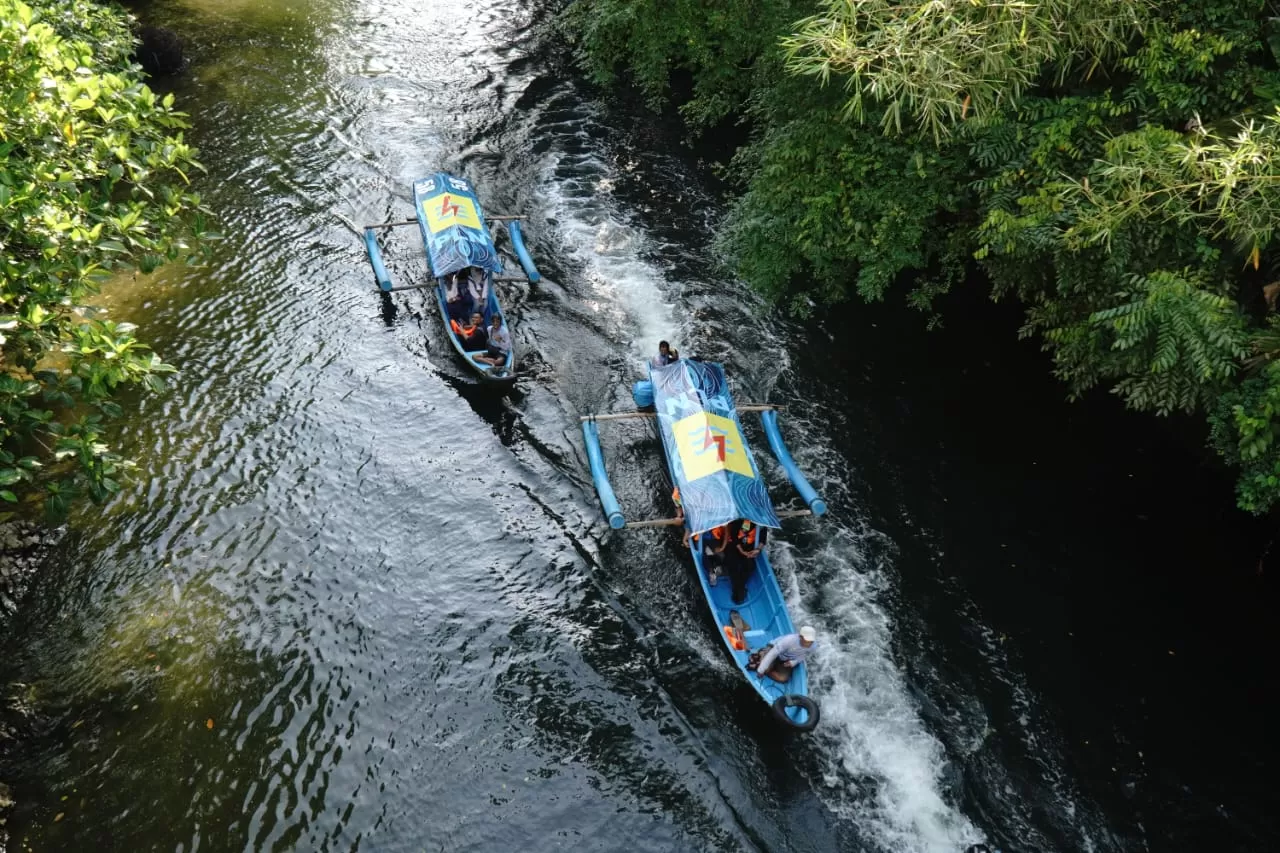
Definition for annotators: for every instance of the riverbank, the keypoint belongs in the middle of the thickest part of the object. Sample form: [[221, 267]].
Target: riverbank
[[23, 548]]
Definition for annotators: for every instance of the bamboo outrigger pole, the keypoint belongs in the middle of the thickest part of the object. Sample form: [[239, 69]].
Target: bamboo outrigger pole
[[674, 522], [395, 224]]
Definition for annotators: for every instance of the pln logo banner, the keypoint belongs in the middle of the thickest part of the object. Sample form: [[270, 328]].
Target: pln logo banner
[[447, 210], [709, 443]]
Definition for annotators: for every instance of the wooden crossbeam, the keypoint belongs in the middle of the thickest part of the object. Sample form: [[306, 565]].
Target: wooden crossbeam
[[410, 287], [622, 416], [393, 224], [676, 522]]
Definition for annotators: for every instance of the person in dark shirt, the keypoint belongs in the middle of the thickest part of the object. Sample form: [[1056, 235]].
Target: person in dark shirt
[[666, 355], [458, 303], [740, 557]]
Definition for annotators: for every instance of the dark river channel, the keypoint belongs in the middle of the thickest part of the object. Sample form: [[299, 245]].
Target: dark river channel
[[353, 603]]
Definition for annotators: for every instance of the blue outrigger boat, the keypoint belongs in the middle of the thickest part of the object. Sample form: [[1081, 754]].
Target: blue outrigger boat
[[455, 234], [713, 467]]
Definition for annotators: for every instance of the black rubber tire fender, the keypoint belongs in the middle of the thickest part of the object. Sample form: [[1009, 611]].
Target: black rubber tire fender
[[791, 700]]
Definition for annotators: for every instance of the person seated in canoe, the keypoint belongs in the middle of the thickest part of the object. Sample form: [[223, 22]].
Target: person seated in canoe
[[784, 654], [499, 346], [471, 333], [713, 542], [740, 560], [457, 301], [477, 287], [666, 355]]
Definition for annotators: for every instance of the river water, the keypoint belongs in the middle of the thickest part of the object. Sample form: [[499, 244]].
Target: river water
[[352, 603]]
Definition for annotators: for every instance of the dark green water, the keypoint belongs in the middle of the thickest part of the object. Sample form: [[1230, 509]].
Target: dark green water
[[353, 604]]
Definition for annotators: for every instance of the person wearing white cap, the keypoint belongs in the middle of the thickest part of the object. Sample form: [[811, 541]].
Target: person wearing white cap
[[786, 653]]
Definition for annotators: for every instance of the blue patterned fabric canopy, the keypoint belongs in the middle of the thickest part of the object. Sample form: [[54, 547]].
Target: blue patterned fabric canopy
[[710, 461], [453, 226]]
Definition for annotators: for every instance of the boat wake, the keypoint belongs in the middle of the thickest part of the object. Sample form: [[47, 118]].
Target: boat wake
[[881, 769]]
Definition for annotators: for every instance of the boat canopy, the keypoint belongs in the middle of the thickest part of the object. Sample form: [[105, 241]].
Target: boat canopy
[[711, 463], [453, 226]]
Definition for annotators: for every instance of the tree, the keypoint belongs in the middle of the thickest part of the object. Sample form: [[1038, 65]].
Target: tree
[[93, 180], [1109, 163], [942, 60]]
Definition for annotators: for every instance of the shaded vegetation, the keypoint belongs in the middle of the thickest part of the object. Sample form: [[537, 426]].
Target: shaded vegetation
[[1110, 164], [93, 180]]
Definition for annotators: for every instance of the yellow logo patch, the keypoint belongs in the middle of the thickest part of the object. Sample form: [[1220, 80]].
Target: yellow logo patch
[[447, 210], [709, 443]]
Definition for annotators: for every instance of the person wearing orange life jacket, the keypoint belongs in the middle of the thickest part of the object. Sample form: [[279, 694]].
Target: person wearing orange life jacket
[[675, 499], [713, 543], [748, 540], [472, 333]]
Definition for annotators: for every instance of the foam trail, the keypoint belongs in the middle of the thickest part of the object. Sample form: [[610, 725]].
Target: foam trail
[[610, 252], [881, 768]]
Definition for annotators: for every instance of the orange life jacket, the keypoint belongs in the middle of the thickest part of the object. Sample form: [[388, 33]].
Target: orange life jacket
[[466, 332], [747, 535], [675, 496], [735, 638], [717, 532]]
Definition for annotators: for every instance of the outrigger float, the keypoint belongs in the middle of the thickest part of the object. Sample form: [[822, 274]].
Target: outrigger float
[[713, 467], [455, 235]]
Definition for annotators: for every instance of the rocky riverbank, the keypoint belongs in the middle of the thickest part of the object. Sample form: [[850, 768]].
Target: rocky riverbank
[[23, 548]]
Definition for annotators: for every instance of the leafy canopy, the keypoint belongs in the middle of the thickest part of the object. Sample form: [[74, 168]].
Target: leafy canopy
[[93, 180], [1108, 163]]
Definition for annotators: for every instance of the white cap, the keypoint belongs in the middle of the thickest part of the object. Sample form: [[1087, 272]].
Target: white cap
[[808, 634]]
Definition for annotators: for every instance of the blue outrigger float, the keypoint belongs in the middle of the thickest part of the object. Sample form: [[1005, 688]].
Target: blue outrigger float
[[714, 469], [455, 234]]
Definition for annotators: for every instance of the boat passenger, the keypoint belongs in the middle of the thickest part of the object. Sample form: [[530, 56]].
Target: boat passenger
[[477, 287], [458, 304], [713, 542], [740, 560], [472, 334], [499, 343], [675, 499], [665, 355], [784, 654]]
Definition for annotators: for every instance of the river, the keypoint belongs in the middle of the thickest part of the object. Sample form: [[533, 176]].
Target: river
[[352, 603]]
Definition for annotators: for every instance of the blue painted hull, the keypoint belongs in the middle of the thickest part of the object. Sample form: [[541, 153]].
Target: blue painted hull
[[764, 610], [456, 236]]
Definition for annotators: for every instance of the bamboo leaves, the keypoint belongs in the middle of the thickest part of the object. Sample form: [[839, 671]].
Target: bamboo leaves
[[927, 65]]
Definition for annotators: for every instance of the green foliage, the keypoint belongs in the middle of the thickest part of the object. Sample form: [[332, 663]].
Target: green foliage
[[939, 61], [1110, 164], [1221, 187], [729, 49], [833, 207], [93, 175], [1244, 425]]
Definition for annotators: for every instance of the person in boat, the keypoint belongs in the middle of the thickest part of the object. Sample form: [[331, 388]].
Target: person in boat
[[740, 560], [666, 355], [784, 654], [675, 499], [713, 543], [471, 333], [499, 346], [477, 287], [458, 304]]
